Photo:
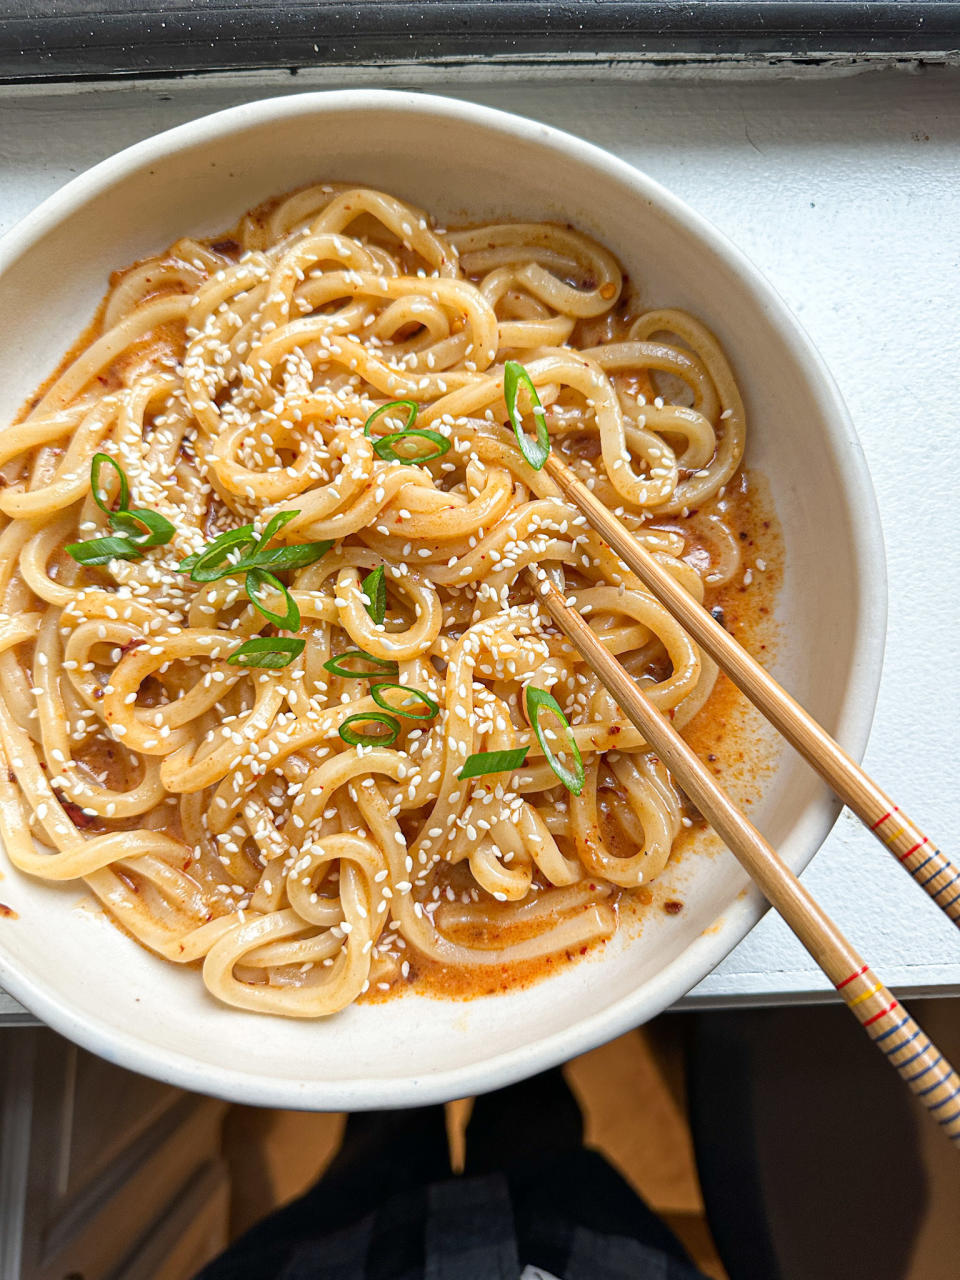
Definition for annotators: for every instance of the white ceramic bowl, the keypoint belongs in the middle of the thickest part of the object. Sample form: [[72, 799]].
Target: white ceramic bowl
[[82, 976]]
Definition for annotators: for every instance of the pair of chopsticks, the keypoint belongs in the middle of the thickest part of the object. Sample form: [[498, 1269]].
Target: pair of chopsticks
[[928, 1074]]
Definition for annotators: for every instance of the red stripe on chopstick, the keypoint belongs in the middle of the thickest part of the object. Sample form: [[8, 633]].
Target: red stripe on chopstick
[[883, 1013], [919, 845], [880, 821], [858, 974]]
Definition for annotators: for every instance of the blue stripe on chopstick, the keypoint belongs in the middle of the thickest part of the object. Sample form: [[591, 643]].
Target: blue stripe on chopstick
[[933, 875], [930, 1087], [884, 1035], [949, 1098], [902, 1045], [906, 1062]]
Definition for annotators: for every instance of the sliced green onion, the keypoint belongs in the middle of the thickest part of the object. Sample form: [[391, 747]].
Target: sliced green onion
[[95, 467], [275, 524], [138, 529], [359, 739], [539, 700], [256, 581], [211, 563], [296, 556], [144, 527], [482, 762], [103, 550], [384, 447], [375, 589], [382, 665], [411, 407], [535, 451], [431, 707], [267, 651]]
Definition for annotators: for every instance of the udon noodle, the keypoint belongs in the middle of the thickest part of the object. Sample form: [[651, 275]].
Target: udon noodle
[[214, 808]]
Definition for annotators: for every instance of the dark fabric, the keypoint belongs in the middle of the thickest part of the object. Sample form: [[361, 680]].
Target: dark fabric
[[805, 1142], [389, 1207], [470, 1231]]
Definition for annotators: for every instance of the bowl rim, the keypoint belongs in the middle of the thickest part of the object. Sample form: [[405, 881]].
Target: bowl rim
[[855, 713]]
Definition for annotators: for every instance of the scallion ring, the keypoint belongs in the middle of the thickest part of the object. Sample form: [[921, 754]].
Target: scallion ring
[[375, 589], [212, 563], [267, 651], [275, 524], [411, 407], [294, 556], [96, 465], [103, 550], [385, 446], [144, 527], [535, 451], [431, 707], [483, 762], [359, 739], [256, 583], [539, 700], [136, 529], [382, 667]]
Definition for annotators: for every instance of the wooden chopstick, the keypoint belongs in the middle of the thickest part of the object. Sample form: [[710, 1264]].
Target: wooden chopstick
[[930, 868], [926, 1071]]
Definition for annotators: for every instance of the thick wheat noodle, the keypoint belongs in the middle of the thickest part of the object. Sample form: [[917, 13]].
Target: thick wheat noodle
[[213, 809]]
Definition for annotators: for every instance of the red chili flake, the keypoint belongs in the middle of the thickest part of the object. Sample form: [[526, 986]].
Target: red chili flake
[[673, 908], [73, 811], [8, 912], [225, 246], [131, 644]]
